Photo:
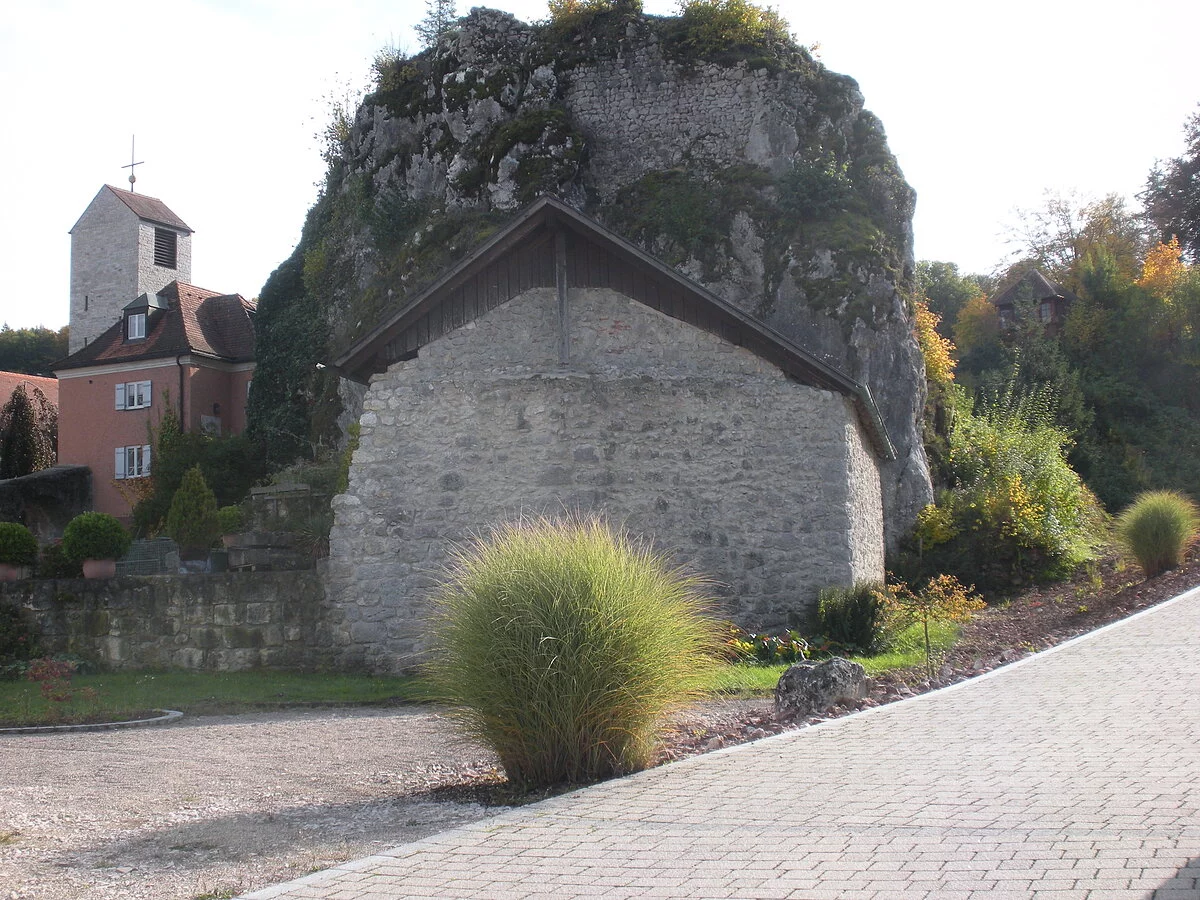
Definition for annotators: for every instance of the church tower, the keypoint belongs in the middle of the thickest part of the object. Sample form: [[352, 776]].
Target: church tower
[[123, 246]]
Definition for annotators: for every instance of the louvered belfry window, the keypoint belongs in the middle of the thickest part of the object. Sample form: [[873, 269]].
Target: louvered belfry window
[[165, 248]]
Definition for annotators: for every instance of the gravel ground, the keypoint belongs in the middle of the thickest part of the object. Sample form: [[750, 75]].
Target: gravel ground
[[219, 805]]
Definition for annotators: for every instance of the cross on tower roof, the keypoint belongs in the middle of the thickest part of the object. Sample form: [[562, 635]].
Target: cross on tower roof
[[132, 163]]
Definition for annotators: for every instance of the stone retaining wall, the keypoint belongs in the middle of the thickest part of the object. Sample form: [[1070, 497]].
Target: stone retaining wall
[[217, 623]]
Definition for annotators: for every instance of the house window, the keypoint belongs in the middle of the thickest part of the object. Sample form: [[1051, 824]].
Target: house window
[[133, 395], [166, 246], [1045, 312], [135, 326], [133, 462], [211, 425]]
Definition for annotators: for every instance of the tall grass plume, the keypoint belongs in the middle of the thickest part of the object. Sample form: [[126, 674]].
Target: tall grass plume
[[1157, 529], [563, 643]]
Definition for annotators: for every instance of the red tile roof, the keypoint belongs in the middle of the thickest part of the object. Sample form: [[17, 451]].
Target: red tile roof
[[10, 380], [149, 208], [197, 321]]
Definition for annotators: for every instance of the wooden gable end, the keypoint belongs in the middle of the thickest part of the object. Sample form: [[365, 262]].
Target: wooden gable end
[[551, 245], [495, 282]]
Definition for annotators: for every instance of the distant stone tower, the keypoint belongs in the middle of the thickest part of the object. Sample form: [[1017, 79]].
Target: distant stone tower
[[124, 245]]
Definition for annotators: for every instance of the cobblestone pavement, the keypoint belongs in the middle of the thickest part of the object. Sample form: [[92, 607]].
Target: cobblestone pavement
[[1073, 775]]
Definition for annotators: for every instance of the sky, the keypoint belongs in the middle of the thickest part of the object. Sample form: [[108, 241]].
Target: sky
[[986, 106]]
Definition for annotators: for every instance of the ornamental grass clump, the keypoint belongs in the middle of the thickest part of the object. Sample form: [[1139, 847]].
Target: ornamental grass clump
[[562, 644], [1157, 529]]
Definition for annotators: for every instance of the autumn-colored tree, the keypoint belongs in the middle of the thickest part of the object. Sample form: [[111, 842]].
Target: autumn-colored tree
[[943, 599], [937, 350], [978, 324], [1060, 235], [1163, 268]]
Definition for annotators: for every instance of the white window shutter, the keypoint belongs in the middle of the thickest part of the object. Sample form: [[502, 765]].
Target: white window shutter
[[120, 399], [146, 459], [120, 473]]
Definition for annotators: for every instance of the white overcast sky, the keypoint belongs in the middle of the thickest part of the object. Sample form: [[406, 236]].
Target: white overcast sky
[[986, 107]]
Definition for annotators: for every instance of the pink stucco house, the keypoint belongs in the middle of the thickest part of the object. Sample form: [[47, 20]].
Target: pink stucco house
[[183, 346]]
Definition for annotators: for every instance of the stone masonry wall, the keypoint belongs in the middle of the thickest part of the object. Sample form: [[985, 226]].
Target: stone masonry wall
[[219, 623], [740, 473], [642, 114], [151, 277], [104, 259], [112, 264]]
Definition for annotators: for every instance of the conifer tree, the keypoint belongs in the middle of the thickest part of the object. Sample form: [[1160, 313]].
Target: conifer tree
[[439, 16], [192, 522]]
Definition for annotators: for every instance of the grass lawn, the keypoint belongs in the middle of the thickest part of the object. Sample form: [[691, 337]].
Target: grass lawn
[[120, 695]]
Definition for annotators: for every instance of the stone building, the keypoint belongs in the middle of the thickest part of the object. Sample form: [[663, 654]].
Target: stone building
[[559, 368], [124, 245]]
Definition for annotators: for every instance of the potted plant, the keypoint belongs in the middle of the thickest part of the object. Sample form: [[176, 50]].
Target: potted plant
[[18, 550], [231, 521], [96, 540]]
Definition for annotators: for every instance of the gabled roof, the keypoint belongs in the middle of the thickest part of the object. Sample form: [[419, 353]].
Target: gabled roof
[[148, 209], [196, 321], [1032, 286], [479, 282], [10, 380]]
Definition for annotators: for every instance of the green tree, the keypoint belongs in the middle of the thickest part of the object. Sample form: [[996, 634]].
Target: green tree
[[192, 522], [1172, 194], [31, 351], [439, 16], [946, 291], [28, 433], [231, 464]]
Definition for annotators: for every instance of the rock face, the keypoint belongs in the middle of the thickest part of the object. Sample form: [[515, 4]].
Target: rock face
[[765, 180], [810, 687]]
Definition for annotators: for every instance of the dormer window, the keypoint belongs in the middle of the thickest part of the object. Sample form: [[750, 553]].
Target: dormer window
[[166, 246], [135, 326]]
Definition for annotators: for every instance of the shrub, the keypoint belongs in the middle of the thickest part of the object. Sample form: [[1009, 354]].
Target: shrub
[[192, 522], [563, 643], [853, 617], [19, 643], [1157, 528], [943, 599], [768, 649], [714, 26], [18, 547], [1016, 510], [95, 535], [230, 519], [55, 564]]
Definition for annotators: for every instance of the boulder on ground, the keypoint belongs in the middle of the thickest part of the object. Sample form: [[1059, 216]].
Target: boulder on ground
[[810, 687]]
